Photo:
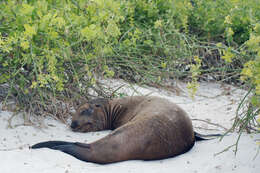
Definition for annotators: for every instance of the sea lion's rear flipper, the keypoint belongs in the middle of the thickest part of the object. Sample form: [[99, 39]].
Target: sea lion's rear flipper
[[75, 149], [78, 150], [49, 144], [200, 137]]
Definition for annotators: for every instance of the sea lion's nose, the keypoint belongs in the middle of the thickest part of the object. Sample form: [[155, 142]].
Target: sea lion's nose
[[74, 124]]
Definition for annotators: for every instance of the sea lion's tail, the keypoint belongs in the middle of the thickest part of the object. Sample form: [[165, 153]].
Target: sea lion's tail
[[200, 137]]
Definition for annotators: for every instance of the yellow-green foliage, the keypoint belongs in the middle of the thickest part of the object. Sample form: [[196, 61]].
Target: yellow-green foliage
[[239, 21], [58, 45], [39, 39], [251, 70], [258, 119], [195, 72]]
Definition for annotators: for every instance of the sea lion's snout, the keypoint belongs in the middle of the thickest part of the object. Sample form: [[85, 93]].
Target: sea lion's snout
[[74, 125]]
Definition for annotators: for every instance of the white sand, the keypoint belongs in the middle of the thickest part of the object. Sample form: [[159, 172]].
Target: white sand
[[210, 104]]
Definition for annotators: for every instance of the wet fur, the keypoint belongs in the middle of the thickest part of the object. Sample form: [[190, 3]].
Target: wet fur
[[144, 128]]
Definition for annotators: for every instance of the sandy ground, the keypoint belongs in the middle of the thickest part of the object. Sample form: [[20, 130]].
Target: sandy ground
[[213, 102]]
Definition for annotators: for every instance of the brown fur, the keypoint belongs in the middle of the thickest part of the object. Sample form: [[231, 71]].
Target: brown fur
[[144, 128]]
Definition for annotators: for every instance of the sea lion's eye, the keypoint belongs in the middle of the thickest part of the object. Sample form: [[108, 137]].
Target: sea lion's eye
[[87, 112]]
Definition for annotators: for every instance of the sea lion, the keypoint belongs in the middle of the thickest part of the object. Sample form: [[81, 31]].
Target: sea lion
[[144, 128]]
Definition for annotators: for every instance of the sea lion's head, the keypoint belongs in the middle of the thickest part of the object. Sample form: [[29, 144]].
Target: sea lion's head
[[89, 117]]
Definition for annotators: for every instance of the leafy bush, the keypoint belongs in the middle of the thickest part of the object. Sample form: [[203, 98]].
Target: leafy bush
[[52, 50], [48, 47]]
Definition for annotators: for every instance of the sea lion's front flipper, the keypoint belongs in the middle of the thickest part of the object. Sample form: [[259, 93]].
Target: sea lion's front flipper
[[50, 144]]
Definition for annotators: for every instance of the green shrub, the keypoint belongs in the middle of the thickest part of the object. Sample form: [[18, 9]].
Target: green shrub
[[52, 50], [49, 48]]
